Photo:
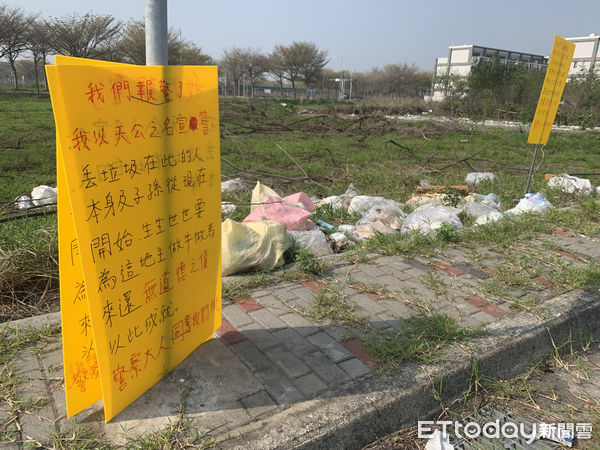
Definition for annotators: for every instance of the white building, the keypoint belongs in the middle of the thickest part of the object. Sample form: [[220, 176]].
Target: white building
[[461, 58]]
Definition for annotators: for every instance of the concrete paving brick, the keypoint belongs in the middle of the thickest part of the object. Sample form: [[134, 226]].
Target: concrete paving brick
[[465, 308], [474, 272], [274, 305], [392, 283], [268, 320], [354, 368], [416, 273], [310, 384], [294, 341], [330, 347], [259, 293], [336, 332], [259, 404], [397, 308], [370, 269], [235, 316], [283, 294], [280, 388], [392, 320], [260, 337], [363, 277], [289, 363], [305, 298], [366, 303], [419, 264], [396, 272], [477, 319], [325, 369], [250, 355], [303, 326]]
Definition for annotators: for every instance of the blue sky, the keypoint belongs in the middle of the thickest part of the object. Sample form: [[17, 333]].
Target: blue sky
[[359, 35]]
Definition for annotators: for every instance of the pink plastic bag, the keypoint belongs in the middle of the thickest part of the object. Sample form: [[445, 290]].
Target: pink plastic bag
[[293, 217]]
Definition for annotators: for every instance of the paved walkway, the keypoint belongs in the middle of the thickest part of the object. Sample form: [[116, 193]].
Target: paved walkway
[[269, 356]]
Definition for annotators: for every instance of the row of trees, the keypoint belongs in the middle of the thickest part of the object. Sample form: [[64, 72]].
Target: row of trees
[[300, 65], [89, 36]]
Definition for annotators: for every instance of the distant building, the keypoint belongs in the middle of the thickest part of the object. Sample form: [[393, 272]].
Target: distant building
[[586, 57], [461, 58]]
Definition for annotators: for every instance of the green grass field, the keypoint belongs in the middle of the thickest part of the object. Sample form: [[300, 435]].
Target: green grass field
[[318, 148]]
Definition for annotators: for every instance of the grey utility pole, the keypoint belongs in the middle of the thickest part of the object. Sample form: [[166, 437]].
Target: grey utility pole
[[156, 33]]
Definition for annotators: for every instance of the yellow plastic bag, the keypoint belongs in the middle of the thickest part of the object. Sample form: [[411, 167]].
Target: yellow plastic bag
[[252, 246], [260, 194]]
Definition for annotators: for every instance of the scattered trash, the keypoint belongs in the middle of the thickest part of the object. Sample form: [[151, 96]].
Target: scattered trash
[[340, 201], [570, 184], [232, 185], [424, 183], [43, 195], [477, 177], [23, 202], [227, 208], [293, 211], [314, 240], [252, 246], [338, 237], [364, 203], [388, 212], [479, 209], [260, 193], [325, 225], [428, 189], [489, 218], [428, 219], [491, 199], [530, 203]]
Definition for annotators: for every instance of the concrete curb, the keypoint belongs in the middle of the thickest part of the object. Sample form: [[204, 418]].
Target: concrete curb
[[356, 415]]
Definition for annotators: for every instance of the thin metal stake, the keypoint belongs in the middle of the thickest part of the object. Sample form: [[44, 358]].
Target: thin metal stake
[[537, 147]]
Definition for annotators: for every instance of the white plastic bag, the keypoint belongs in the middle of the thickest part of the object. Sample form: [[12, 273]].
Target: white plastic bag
[[227, 208], [232, 185], [477, 177], [314, 240], [571, 184], [23, 202], [388, 212], [252, 246], [530, 203], [429, 219], [43, 195], [340, 201]]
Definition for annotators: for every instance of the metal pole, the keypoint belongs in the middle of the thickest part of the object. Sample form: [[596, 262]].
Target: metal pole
[[537, 147], [156, 33]]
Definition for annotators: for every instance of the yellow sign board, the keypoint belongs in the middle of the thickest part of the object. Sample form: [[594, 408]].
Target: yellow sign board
[[139, 223], [552, 89]]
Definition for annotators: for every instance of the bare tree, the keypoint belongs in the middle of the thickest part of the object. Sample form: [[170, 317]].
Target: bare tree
[[85, 36], [247, 62], [291, 64], [232, 63], [312, 61], [15, 26], [132, 46], [303, 61], [276, 67], [39, 46]]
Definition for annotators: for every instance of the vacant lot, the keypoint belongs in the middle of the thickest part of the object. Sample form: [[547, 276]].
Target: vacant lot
[[318, 148]]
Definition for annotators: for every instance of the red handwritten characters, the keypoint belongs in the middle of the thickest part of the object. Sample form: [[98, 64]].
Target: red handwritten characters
[[193, 123], [120, 134], [165, 88], [120, 87], [95, 92], [80, 139]]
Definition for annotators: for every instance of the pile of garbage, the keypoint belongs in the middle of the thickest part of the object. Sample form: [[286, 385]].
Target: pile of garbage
[[40, 196]]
